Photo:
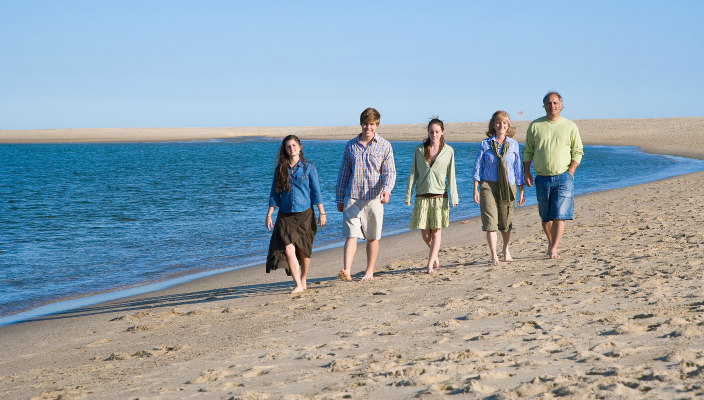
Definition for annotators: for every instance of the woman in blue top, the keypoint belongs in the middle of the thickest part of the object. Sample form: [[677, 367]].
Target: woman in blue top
[[497, 172], [295, 190]]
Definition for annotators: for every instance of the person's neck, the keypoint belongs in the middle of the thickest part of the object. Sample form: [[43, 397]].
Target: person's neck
[[366, 138], [293, 161], [500, 138], [553, 117]]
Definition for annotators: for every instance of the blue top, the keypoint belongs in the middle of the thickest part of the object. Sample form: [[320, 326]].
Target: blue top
[[304, 189], [485, 167]]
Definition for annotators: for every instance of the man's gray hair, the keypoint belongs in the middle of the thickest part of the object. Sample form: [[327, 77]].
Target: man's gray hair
[[552, 92]]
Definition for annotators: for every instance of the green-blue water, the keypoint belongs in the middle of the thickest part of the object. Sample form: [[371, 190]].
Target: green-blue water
[[77, 219]]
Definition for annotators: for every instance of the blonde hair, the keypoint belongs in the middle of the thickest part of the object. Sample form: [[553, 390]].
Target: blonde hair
[[500, 115]]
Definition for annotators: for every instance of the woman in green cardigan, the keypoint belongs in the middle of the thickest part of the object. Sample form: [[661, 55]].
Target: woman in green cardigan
[[433, 175]]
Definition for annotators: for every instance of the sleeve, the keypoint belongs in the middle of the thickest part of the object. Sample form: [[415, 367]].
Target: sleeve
[[274, 197], [343, 177], [412, 175], [576, 150], [528, 148], [451, 180], [314, 184], [518, 167], [388, 170], [476, 175]]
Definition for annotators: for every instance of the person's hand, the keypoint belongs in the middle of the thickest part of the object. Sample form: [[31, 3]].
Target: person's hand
[[528, 178], [268, 223], [340, 207], [521, 198], [408, 203], [385, 197], [571, 172], [322, 219], [454, 205], [476, 196]]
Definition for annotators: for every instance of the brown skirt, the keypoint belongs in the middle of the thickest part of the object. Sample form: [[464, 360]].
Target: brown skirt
[[291, 228]]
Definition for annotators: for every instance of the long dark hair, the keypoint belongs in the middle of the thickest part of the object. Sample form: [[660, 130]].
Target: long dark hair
[[282, 163], [426, 142]]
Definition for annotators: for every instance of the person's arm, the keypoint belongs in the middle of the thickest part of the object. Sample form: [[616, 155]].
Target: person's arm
[[527, 177], [576, 151], [475, 192], [388, 174], [412, 175], [452, 181], [315, 196], [343, 177], [267, 222], [521, 196], [518, 167], [274, 198], [528, 157]]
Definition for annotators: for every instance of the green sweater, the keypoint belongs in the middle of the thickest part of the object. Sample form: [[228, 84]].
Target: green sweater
[[433, 179], [552, 146]]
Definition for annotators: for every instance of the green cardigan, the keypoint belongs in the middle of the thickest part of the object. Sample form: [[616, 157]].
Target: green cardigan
[[433, 179]]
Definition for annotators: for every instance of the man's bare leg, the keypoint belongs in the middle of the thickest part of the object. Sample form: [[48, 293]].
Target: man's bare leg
[[372, 253], [547, 227], [558, 228], [350, 250], [491, 239], [507, 237], [290, 251]]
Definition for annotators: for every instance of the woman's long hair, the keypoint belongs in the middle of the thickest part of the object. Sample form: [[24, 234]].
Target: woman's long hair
[[500, 115], [282, 163], [426, 142]]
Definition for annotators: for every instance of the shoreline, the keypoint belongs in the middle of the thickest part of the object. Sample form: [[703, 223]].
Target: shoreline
[[618, 316], [69, 303]]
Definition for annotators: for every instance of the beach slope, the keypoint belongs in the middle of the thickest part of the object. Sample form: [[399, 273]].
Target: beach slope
[[620, 315]]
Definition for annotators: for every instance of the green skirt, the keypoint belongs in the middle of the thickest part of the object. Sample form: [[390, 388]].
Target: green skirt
[[430, 213]]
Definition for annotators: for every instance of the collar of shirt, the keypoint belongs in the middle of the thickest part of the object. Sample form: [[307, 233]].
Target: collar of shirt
[[359, 140], [298, 165]]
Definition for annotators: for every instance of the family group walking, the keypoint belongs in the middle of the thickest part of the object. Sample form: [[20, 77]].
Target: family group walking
[[367, 175]]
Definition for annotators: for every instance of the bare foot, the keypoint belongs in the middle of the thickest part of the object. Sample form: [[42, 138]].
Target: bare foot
[[432, 270], [304, 284], [368, 276], [297, 289], [495, 261], [553, 256], [344, 275], [507, 257]]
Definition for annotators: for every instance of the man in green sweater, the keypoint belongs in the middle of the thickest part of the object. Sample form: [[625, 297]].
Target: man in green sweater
[[554, 147]]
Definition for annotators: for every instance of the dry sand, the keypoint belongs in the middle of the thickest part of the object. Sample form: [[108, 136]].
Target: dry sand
[[677, 136], [620, 316]]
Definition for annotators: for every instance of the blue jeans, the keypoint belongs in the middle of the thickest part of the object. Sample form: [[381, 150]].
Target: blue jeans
[[555, 196]]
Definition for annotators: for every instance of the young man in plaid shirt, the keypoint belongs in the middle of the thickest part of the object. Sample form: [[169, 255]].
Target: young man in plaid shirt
[[364, 183]]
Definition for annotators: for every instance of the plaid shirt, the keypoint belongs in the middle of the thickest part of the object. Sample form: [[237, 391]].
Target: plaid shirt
[[366, 171]]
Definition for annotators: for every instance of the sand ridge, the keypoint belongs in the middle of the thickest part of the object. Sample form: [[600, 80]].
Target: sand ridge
[[676, 136]]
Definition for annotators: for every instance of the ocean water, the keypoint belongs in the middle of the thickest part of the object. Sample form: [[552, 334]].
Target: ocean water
[[78, 219]]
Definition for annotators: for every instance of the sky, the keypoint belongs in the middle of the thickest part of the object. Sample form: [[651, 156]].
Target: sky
[[208, 63]]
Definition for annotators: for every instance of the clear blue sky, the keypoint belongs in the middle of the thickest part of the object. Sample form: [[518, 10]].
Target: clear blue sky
[[80, 64]]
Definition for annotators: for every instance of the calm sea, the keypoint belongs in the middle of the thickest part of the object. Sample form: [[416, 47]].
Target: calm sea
[[78, 219]]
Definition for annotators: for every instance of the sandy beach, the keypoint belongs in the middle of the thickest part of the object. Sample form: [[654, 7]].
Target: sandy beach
[[619, 316]]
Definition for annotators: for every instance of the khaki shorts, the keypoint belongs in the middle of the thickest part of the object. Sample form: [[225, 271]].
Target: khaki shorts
[[494, 216], [363, 219]]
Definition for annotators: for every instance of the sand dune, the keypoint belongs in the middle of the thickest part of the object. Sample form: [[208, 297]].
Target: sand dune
[[620, 316]]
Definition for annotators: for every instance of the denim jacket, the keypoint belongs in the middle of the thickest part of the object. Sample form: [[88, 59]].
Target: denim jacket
[[304, 189]]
